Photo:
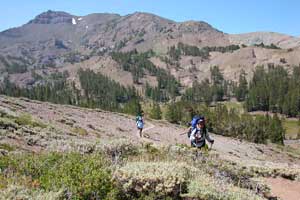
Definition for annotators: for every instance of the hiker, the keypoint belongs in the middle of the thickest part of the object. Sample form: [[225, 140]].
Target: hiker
[[140, 123], [200, 134]]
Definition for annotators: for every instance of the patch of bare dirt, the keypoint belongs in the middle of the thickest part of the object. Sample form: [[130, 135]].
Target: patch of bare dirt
[[284, 189]]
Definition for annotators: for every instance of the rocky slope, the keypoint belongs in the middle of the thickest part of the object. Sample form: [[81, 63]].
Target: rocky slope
[[281, 40]]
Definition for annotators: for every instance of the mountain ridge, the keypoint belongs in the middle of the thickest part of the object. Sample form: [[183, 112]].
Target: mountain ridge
[[56, 40]]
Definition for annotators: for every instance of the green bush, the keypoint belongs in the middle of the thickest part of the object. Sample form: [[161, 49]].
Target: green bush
[[80, 131], [7, 147], [81, 176], [155, 112], [133, 107], [26, 119]]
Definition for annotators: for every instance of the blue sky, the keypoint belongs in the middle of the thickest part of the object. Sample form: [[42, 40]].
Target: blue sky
[[230, 16]]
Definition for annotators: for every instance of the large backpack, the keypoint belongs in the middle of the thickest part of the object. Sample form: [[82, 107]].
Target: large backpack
[[195, 121]]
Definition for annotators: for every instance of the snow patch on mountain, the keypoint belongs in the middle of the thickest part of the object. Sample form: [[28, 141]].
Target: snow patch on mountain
[[74, 21]]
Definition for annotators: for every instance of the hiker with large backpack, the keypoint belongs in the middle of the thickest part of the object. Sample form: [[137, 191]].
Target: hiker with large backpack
[[140, 124], [192, 125], [199, 133]]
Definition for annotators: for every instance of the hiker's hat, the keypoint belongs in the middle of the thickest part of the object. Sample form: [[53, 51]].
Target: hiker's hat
[[201, 119]]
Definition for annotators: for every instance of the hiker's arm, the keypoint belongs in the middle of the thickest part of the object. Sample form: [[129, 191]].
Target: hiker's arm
[[185, 132], [192, 137], [208, 138], [182, 133]]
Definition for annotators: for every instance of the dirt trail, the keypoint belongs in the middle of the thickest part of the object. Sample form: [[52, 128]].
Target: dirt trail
[[284, 189], [146, 137]]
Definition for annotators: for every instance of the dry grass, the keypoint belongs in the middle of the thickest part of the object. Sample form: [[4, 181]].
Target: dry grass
[[13, 192], [292, 128], [238, 106]]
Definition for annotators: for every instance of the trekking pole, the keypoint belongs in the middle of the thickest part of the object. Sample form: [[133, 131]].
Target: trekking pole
[[182, 133], [211, 146]]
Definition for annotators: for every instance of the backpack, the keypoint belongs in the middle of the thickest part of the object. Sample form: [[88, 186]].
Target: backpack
[[195, 121], [138, 118]]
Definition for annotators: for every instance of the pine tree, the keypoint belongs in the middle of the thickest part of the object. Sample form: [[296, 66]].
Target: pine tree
[[173, 113], [242, 88], [155, 112], [276, 130], [133, 107]]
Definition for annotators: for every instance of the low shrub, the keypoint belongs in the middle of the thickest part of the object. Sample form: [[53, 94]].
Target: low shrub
[[7, 147], [80, 131], [19, 192], [161, 179], [205, 187], [118, 148], [81, 176], [26, 119], [7, 123]]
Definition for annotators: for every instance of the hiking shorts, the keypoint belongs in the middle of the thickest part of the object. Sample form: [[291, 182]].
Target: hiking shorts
[[140, 125]]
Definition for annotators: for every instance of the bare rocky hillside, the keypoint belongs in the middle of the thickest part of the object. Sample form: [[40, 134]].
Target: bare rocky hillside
[[58, 40], [281, 40]]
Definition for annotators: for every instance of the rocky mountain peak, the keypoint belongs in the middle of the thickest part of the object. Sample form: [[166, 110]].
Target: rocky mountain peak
[[195, 26], [52, 17], [143, 16]]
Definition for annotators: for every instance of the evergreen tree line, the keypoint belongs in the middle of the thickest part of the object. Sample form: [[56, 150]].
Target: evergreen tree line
[[275, 90], [271, 46], [222, 49], [98, 92], [208, 91], [135, 63], [56, 91], [167, 88], [156, 94], [102, 92], [222, 121], [138, 64], [190, 50]]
